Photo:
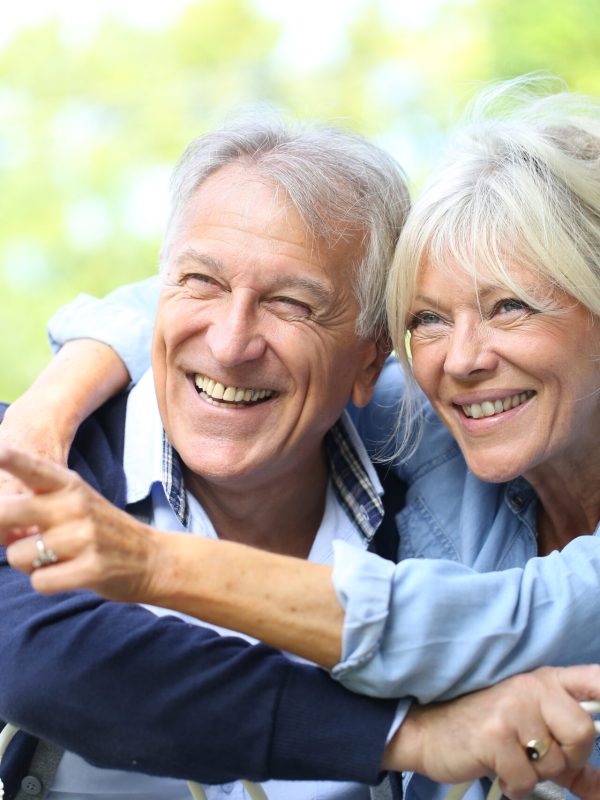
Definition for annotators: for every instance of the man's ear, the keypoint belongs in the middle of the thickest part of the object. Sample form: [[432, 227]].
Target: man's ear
[[374, 355]]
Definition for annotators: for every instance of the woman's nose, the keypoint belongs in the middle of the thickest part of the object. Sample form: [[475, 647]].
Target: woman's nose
[[470, 351]]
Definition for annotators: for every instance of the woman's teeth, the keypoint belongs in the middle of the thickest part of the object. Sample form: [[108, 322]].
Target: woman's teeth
[[229, 394], [489, 407]]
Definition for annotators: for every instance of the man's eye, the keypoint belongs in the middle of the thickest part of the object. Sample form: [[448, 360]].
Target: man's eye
[[290, 307], [199, 283], [198, 277]]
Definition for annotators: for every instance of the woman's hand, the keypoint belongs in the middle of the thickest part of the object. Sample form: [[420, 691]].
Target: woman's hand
[[486, 733], [96, 545]]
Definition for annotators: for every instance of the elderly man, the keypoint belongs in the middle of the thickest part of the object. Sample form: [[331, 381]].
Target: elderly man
[[270, 319], [277, 244]]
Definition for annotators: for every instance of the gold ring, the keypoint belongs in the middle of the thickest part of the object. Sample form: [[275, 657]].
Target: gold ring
[[536, 749]]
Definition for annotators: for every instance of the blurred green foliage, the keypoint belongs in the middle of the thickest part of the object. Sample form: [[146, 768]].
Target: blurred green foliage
[[90, 129]]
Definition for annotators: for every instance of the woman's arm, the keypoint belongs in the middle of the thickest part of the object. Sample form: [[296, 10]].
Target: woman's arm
[[105, 343], [123, 320], [44, 420]]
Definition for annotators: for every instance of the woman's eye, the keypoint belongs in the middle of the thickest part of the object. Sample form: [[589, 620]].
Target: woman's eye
[[423, 319], [511, 304]]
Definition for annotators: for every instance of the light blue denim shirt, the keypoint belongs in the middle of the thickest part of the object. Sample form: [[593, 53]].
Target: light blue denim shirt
[[437, 628], [468, 603], [485, 607]]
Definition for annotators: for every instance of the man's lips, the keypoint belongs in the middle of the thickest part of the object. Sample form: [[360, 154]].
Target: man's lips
[[215, 391]]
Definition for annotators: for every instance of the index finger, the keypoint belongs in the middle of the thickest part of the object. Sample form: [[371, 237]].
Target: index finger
[[39, 475]]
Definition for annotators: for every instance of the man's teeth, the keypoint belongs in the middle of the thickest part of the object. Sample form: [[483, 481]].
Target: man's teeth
[[229, 394], [489, 407]]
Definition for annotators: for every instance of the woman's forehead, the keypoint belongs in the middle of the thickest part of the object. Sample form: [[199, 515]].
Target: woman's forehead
[[487, 276]]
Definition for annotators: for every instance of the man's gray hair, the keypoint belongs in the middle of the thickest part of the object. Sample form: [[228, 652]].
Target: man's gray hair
[[339, 183]]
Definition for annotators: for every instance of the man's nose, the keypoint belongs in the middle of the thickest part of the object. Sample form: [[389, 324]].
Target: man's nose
[[470, 353], [235, 334]]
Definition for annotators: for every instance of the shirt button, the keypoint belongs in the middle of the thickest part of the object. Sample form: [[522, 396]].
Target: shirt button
[[31, 785], [517, 501], [227, 788]]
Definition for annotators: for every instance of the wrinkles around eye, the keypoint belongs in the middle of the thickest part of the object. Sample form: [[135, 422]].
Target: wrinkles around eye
[[424, 319], [289, 307]]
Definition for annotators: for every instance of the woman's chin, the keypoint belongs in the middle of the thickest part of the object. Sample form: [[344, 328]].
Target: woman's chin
[[493, 471]]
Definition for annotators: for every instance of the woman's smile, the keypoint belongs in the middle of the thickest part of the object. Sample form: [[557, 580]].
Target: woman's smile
[[493, 408]]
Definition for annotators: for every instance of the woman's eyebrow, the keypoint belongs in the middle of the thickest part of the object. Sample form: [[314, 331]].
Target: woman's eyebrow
[[426, 300]]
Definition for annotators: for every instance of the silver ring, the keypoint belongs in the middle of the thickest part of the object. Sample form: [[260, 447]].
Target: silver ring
[[46, 555], [536, 749]]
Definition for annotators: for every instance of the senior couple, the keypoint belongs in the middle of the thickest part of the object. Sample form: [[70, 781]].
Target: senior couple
[[270, 321]]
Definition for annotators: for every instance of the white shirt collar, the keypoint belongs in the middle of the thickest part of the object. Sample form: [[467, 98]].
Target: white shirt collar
[[144, 466]]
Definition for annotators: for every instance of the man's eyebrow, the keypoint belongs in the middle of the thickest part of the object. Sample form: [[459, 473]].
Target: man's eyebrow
[[320, 291], [282, 282], [190, 254]]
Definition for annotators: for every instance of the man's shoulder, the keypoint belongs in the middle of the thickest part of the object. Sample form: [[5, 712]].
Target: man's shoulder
[[97, 450]]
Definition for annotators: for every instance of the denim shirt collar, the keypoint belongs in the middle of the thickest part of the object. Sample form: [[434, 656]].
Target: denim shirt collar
[[521, 499]]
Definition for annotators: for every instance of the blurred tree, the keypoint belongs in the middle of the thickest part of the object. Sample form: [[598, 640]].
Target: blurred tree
[[89, 134], [90, 127], [563, 38]]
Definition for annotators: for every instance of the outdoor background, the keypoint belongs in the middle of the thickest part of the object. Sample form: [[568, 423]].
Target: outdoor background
[[98, 98]]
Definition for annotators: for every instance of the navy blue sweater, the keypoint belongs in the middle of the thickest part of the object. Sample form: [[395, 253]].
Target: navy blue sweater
[[128, 690]]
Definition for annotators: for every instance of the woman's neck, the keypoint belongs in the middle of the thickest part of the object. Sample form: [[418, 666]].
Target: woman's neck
[[569, 501]]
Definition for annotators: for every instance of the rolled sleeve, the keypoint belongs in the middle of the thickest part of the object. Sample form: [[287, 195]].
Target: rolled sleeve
[[363, 583], [434, 629], [123, 320]]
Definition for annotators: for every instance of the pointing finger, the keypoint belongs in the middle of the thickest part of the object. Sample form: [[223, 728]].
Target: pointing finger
[[39, 475]]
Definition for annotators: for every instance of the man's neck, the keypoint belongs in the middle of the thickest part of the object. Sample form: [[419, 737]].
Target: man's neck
[[282, 516]]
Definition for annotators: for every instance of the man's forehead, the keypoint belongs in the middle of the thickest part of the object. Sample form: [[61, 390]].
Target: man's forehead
[[239, 190], [239, 213]]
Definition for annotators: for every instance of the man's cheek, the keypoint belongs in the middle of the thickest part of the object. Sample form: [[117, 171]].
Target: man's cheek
[[159, 348]]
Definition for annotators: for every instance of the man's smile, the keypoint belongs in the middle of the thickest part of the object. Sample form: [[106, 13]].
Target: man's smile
[[233, 396]]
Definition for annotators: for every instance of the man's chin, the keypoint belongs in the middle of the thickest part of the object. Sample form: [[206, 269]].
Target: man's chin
[[220, 466]]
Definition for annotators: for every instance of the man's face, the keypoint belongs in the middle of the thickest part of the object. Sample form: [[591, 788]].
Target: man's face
[[255, 353]]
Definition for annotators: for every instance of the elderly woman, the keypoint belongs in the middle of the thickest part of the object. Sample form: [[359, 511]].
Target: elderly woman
[[496, 282]]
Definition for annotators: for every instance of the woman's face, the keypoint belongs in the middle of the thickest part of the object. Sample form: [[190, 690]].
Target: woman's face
[[517, 388]]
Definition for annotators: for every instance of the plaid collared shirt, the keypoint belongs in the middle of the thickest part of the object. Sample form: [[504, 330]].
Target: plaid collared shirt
[[352, 485]]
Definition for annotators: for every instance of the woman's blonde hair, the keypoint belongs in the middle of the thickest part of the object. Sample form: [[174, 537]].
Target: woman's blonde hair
[[519, 183]]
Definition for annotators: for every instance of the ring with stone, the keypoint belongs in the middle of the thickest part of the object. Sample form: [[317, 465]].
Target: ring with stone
[[536, 749], [46, 555]]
